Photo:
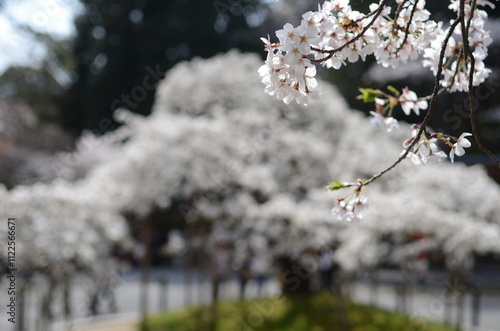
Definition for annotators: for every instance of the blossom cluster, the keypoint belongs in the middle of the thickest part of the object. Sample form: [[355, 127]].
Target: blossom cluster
[[350, 209], [385, 104], [426, 147], [456, 64], [336, 34], [288, 74]]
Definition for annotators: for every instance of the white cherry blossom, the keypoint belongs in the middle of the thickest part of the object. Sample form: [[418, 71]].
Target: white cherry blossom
[[387, 123], [409, 102], [458, 147]]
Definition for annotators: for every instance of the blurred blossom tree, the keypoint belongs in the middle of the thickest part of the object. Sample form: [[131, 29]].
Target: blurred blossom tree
[[27, 144], [62, 232], [250, 167], [217, 153]]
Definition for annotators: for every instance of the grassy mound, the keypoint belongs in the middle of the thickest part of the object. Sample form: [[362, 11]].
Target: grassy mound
[[319, 312]]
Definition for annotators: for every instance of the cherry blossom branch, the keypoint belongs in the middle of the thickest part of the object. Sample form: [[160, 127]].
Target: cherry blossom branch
[[407, 29], [289, 69], [469, 21], [331, 53], [429, 114], [396, 15], [367, 15]]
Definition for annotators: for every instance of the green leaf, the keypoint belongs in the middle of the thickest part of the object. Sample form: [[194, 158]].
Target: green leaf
[[368, 94], [393, 90], [336, 185]]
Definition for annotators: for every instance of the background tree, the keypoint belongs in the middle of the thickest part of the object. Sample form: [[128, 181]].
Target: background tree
[[263, 177], [119, 43]]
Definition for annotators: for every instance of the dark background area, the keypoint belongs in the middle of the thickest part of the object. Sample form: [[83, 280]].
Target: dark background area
[[137, 37]]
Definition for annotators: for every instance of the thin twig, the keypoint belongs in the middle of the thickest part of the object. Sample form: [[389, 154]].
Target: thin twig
[[366, 16], [407, 31], [472, 109], [332, 52], [396, 15]]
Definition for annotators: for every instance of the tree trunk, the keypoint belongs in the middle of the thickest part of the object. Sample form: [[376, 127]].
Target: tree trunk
[[374, 284], [295, 279], [163, 300], [46, 306], [343, 294], [145, 274], [67, 301], [21, 303], [406, 291], [460, 285], [448, 298]]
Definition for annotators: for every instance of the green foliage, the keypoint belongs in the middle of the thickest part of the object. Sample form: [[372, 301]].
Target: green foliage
[[319, 312], [39, 86], [368, 95], [393, 90], [336, 185]]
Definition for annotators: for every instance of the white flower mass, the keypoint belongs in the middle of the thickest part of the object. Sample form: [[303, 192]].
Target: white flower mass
[[336, 34], [261, 169]]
